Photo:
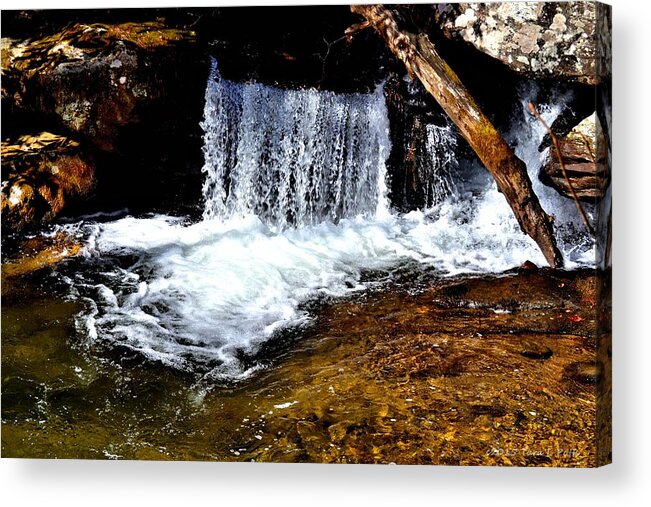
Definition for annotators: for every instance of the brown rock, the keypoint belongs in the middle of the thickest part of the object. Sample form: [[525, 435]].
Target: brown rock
[[528, 267], [39, 253], [585, 158], [93, 78], [41, 175]]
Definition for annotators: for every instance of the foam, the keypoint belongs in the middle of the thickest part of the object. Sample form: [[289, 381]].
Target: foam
[[204, 297]]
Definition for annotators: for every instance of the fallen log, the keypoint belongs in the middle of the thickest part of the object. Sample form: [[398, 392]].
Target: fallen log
[[423, 61]]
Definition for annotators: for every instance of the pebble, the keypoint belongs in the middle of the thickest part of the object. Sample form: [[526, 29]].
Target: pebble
[[584, 372], [534, 350]]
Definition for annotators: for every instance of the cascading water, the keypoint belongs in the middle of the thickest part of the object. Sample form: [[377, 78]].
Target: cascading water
[[437, 172], [295, 208], [292, 157]]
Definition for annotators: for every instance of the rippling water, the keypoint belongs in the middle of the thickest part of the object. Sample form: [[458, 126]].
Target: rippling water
[[171, 315], [295, 208]]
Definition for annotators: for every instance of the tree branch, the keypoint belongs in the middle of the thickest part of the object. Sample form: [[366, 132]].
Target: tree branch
[[423, 61]]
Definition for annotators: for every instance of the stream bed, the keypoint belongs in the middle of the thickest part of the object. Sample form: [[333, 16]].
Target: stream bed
[[303, 318], [464, 370]]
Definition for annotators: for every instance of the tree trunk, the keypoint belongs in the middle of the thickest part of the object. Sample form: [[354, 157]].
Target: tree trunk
[[421, 59]]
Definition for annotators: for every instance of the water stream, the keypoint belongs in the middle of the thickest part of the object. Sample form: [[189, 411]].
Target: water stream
[[296, 209], [138, 347]]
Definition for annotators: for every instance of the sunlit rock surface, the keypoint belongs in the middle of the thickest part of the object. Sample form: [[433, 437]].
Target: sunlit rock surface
[[93, 78], [541, 39], [37, 253], [41, 175]]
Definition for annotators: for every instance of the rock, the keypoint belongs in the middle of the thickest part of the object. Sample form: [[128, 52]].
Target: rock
[[584, 372], [93, 79], [41, 175], [586, 162], [538, 39], [533, 350], [527, 267], [41, 252]]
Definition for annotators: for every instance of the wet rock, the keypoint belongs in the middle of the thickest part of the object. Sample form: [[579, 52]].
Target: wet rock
[[41, 175], [538, 39], [528, 267], [585, 159], [294, 47], [40, 252], [93, 79], [534, 350], [584, 372]]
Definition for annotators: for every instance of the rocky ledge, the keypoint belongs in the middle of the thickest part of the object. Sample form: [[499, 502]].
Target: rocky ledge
[[552, 39], [94, 78], [585, 160], [41, 175], [119, 103]]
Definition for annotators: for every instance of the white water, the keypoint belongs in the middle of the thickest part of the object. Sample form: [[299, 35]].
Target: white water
[[293, 157], [295, 207], [437, 172]]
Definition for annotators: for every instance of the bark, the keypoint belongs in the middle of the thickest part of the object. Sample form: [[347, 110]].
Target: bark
[[422, 61]]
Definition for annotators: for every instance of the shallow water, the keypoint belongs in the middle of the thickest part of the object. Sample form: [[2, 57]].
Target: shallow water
[[301, 320], [391, 376], [203, 298]]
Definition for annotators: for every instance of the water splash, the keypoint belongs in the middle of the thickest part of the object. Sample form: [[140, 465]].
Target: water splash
[[295, 208], [293, 157]]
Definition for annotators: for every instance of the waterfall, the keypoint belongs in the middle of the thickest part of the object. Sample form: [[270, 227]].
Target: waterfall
[[295, 209], [293, 157], [437, 171]]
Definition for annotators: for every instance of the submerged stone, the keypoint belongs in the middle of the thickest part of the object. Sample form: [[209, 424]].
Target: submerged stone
[[534, 350], [584, 372]]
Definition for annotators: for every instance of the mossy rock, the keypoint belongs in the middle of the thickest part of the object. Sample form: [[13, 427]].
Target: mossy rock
[[94, 79]]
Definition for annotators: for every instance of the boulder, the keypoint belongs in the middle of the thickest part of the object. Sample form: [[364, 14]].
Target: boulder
[[41, 176], [585, 158], [537, 39], [93, 79], [39, 252]]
